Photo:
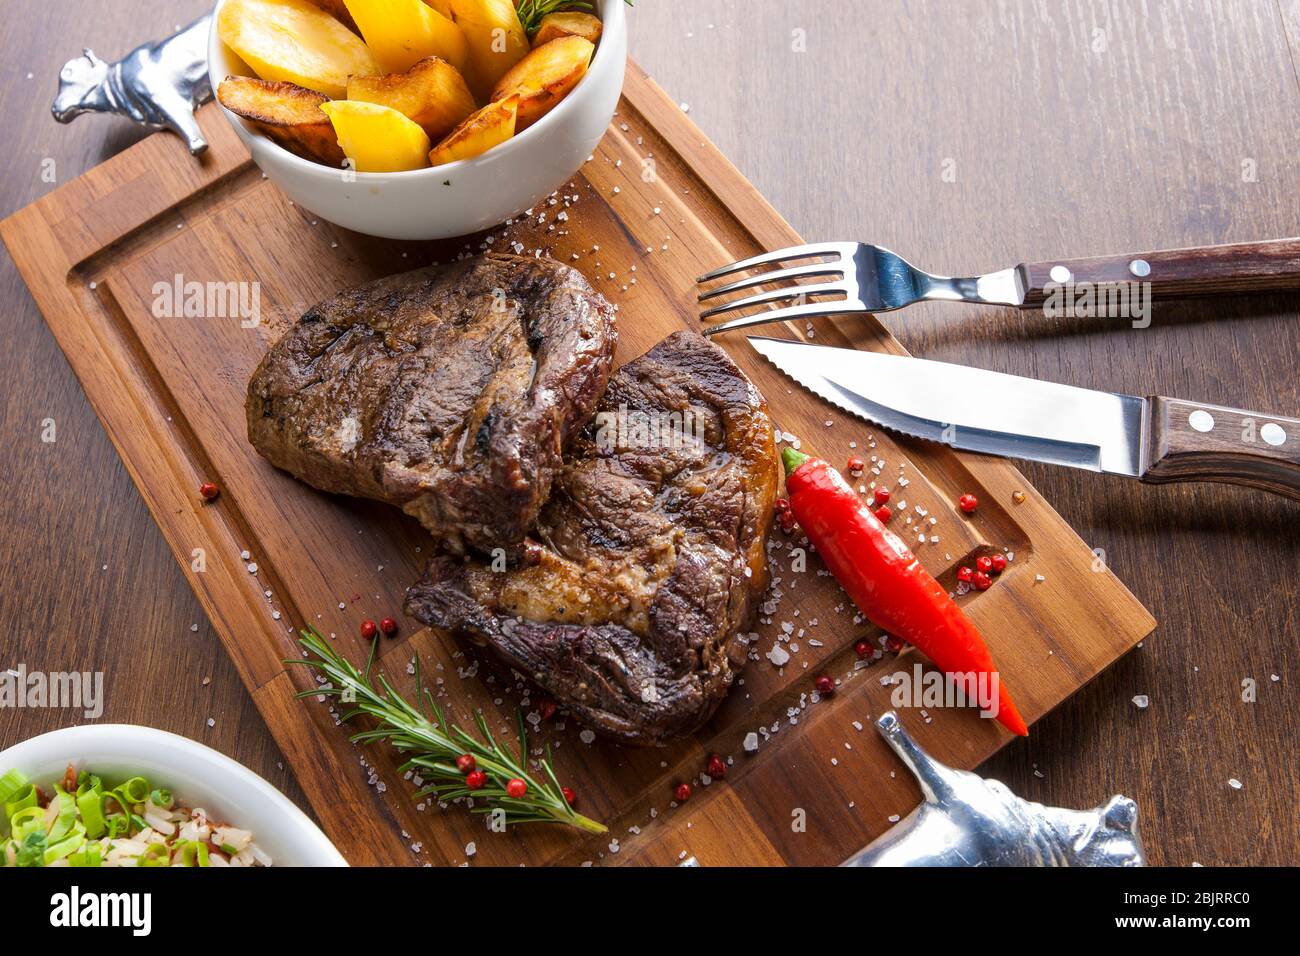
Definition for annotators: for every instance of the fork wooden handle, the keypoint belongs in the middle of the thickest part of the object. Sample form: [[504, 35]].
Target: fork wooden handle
[[1192, 441], [1175, 273]]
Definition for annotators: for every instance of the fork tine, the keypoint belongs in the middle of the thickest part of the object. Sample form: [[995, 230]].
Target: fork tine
[[776, 275], [810, 311], [776, 295], [793, 252]]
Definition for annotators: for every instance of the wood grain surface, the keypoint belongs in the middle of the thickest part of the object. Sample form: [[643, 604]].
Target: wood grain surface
[[171, 391], [967, 138]]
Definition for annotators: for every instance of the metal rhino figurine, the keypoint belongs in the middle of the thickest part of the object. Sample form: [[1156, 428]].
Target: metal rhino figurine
[[158, 85], [965, 820]]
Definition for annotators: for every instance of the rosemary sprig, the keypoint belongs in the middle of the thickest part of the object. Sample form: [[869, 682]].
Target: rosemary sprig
[[532, 11], [434, 743]]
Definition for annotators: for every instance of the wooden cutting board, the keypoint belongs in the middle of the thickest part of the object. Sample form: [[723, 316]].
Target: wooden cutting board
[[655, 206]]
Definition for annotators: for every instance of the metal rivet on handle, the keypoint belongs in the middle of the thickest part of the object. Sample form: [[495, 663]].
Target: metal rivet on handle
[[1140, 268], [1201, 420], [1273, 433], [1060, 274]]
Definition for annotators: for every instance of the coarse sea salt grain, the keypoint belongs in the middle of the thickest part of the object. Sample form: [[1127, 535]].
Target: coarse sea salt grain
[[1141, 701]]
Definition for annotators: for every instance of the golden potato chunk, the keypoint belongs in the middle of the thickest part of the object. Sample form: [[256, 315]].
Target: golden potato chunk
[[287, 114], [294, 41], [496, 40], [400, 33], [377, 139], [567, 24], [545, 76], [432, 93], [490, 126]]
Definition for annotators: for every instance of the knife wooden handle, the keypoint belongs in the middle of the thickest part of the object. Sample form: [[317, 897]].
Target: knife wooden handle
[[1192, 441], [1176, 273]]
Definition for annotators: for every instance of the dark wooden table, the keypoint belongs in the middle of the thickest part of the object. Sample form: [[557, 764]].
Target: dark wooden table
[[967, 136]]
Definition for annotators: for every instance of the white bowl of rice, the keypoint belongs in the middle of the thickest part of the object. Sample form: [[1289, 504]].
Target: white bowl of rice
[[211, 795]]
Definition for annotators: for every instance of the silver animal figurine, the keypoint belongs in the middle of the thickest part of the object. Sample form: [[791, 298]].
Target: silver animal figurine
[[965, 820], [158, 85]]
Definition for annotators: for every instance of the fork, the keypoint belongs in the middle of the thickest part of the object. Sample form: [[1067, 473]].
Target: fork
[[867, 278]]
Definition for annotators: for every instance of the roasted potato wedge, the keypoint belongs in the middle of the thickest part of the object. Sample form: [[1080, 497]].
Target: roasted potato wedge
[[294, 41], [288, 114], [545, 76], [496, 40], [490, 126], [567, 24], [432, 93], [400, 33], [377, 139]]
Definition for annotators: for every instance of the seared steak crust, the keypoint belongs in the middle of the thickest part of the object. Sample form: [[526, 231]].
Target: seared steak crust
[[650, 552], [447, 391]]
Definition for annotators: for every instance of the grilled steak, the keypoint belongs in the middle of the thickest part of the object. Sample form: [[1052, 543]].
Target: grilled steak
[[650, 553], [448, 391]]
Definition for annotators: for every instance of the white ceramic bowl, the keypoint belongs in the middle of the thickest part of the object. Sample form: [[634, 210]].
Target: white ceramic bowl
[[461, 197], [197, 775]]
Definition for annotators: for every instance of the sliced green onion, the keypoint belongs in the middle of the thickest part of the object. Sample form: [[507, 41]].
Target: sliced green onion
[[22, 800], [27, 820], [90, 805], [87, 856], [75, 840], [194, 853], [10, 784], [66, 815], [133, 791], [162, 798], [156, 854], [87, 781]]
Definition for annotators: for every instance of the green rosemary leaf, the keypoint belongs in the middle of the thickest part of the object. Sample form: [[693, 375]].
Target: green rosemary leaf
[[432, 743]]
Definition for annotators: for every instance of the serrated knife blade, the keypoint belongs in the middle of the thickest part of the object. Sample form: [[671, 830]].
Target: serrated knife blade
[[969, 408]]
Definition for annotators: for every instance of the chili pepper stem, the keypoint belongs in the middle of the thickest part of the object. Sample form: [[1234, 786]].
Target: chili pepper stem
[[792, 459]]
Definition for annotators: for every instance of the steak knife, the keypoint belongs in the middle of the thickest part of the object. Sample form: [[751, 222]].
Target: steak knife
[[1155, 439]]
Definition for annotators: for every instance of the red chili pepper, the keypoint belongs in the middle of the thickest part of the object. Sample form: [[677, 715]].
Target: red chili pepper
[[570, 797], [883, 514], [882, 496], [998, 562], [964, 573], [984, 563], [967, 503], [884, 578]]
